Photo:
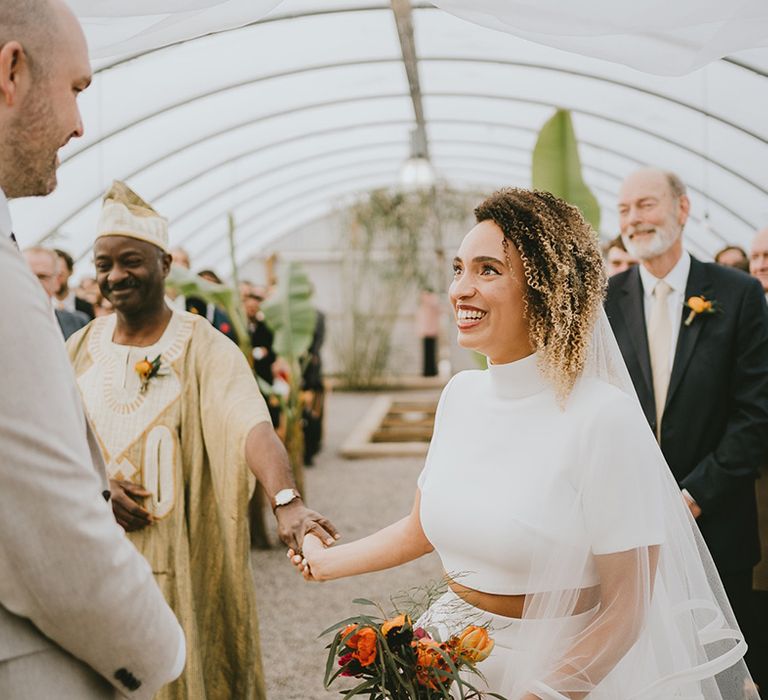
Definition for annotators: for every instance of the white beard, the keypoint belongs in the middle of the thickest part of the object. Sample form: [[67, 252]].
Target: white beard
[[658, 244]]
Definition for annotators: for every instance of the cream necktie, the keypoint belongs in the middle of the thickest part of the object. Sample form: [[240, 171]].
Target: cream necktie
[[659, 341]]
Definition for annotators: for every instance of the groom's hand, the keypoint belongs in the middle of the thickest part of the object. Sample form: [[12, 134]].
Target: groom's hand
[[296, 520]]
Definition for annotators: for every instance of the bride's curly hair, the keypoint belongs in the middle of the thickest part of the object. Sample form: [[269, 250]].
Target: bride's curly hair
[[564, 272]]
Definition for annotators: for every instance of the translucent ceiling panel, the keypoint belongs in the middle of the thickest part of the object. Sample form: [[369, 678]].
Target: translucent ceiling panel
[[156, 106], [256, 232], [205, 222]]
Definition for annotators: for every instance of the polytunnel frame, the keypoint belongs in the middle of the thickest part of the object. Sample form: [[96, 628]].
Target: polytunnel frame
[[507, 63], [462, 95]]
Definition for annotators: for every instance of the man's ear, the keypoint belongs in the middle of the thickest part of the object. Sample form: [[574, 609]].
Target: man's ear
[[13, 62], [683, 209], [165, 262]]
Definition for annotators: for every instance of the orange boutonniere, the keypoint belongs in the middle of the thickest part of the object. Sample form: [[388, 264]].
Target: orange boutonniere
[[146, 369], [699, 305]]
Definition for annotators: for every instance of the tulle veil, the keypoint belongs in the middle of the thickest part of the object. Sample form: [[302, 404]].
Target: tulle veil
[[664, 628]]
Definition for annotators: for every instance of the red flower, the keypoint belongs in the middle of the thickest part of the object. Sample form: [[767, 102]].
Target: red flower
[[225, 327]]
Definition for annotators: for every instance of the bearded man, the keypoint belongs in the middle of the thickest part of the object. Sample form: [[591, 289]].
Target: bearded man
[[183, 429], [694, 336], [80, 613]]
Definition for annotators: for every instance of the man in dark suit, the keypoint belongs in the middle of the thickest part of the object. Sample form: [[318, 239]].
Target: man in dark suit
[[65, 298], [702, 378]]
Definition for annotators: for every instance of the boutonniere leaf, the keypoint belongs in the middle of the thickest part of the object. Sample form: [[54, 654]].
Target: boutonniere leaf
[[700, 305], [146, 369]]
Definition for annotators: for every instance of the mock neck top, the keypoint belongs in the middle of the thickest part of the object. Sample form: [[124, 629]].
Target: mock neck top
[[518, 379], [511, 474]]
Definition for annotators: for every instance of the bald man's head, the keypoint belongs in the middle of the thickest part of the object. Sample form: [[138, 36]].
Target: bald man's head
[[36, 25], [43, 67]]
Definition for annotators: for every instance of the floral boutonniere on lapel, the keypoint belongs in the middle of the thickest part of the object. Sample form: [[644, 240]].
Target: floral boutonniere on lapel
[[699, 305], [146, 369]]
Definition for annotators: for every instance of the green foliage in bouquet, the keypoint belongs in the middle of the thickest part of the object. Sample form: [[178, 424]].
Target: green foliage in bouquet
[[396, 661]]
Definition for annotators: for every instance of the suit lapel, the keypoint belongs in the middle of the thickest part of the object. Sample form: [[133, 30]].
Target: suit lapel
[[698, 284], [633, 315]]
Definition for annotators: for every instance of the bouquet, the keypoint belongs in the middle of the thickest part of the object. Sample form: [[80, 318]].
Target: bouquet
[[396, 661]]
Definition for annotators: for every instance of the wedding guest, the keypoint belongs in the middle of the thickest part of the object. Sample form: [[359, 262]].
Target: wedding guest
[[183, 429], [544, 492], [77, 600], [428, 329], [65, 297], [702, 378], [758, 259], [733, 256], [617, 259], [44, 265]]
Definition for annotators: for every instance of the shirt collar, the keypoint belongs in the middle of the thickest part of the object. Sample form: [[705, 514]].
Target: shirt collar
[[5, 216], [677, 277]]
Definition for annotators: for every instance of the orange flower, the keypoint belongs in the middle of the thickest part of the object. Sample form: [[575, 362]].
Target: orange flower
[[364, 643], [699, 304], [428, 661], [475, 644], [143, 367], [347, 630], [394, 623]]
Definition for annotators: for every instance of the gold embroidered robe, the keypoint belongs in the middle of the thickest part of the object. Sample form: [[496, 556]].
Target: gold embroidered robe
[[183, 439]]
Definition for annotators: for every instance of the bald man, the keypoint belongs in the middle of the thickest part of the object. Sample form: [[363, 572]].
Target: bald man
[[702, 379], [758, 258], [81, 617]]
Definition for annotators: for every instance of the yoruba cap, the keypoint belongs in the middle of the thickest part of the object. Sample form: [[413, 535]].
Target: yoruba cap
[[124, 213]]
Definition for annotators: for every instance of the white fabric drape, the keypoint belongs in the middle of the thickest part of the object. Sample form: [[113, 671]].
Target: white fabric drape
[[118, 28], [655, 36]]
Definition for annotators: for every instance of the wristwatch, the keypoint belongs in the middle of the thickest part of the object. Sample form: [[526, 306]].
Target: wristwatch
[[284, 497]]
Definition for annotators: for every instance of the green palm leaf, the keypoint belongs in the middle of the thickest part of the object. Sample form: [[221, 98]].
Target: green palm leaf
[[290, 315], [557, 166]]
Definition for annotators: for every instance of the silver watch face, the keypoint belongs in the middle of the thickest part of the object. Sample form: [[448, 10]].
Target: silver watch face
[[284, 497]]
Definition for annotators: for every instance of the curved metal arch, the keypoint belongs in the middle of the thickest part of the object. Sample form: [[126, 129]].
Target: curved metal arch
[[256, 217], [304, 193], [383, 61], [313, 175], [52, 231], [490, 144]]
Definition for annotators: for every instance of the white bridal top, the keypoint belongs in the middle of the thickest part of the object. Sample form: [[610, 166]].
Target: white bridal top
[[507, 465]]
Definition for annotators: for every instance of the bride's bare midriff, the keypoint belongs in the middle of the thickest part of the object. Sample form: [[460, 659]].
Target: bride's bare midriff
[[513, 605]]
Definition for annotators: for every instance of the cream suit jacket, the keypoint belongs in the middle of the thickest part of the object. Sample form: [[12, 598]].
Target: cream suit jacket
[[80, 613]]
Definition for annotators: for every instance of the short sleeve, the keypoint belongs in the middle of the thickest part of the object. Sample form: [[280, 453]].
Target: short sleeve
[[438, 420], [228, 387], [622, 490]]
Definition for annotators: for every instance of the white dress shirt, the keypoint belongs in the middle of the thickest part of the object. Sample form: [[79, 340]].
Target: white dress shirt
[[67, 303], [676, 279], [6, 227]]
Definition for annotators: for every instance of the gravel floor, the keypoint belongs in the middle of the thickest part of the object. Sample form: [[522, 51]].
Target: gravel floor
[[359, 496]]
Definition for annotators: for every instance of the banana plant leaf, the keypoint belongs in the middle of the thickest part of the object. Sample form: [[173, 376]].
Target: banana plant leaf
[[557, 166], [290, 315], [189, 284]]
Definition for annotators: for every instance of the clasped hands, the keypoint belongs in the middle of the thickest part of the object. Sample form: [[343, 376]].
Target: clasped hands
[[304, 558]]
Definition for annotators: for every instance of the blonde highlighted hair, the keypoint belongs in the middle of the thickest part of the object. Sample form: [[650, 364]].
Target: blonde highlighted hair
[[564, 274]]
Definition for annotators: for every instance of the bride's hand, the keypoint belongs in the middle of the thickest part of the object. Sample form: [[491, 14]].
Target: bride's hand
[[312, 548]]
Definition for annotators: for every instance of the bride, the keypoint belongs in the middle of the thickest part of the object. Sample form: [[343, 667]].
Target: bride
[[544, 492]]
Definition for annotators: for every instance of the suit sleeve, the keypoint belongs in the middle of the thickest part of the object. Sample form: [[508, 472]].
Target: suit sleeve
[[743, 447], [65, 565]]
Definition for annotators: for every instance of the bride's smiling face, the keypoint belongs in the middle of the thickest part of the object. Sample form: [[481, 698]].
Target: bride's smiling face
[[487, 294]]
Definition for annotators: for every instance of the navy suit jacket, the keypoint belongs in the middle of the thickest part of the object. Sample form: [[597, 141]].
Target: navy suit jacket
[[714, 434]]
